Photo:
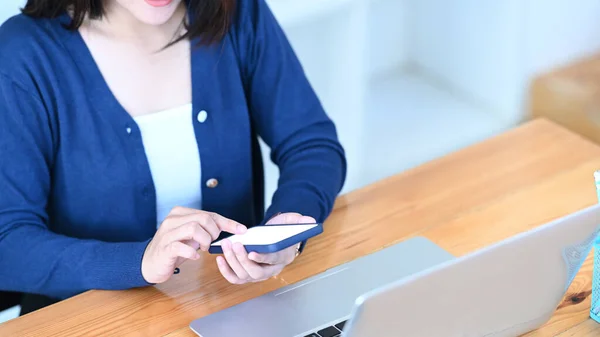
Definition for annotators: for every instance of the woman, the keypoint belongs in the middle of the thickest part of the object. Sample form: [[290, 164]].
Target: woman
[[128, 142]]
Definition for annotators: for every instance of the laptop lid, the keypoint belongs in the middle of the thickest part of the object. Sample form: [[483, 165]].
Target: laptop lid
[[505, 289], [324, 299]]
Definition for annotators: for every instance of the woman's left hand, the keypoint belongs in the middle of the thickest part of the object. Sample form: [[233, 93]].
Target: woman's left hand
[[239, 267]]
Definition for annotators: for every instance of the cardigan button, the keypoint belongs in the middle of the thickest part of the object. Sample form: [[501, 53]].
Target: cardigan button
[[212, 183], [202, 116]]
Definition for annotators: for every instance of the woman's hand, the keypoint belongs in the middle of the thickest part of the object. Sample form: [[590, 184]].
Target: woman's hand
[[239, 267], [178, 238]]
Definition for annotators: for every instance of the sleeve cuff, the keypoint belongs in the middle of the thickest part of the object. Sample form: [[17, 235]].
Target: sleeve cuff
[[121, 267]]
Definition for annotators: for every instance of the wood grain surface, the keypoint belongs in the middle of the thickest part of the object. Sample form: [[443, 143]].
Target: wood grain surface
[[464, 201]]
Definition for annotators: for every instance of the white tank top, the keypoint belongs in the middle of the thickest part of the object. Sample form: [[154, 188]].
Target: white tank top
[[172, 152]]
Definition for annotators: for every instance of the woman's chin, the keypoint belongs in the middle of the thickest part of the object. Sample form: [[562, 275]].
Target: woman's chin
[[155, 16], [153, 12]]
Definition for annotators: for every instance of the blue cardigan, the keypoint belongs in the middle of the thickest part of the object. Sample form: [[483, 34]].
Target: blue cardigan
[[77, 202]]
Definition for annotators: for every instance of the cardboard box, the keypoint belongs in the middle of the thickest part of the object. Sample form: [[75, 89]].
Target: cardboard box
[[570, 96]]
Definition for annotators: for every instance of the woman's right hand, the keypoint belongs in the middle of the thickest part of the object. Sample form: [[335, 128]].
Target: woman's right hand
[[178, 238]]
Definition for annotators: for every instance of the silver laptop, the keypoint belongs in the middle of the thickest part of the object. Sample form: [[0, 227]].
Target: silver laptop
[[415, 288]]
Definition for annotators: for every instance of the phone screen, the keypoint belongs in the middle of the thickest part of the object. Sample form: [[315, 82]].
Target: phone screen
[[267, 235]]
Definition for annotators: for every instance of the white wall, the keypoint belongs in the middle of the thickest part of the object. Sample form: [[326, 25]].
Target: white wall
[[558, 31], [489, 51], [388, 27], [473, 46], [9, 8]]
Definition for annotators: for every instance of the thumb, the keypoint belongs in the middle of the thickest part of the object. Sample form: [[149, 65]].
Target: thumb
[[285, 218]]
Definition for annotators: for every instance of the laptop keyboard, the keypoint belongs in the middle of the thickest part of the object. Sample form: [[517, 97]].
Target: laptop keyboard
[[332, 331]]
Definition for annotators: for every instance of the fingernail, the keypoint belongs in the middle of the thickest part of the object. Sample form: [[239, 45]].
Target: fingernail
[[241, 229]]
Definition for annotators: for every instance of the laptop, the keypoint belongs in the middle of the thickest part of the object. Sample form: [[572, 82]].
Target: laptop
[[415, 288]]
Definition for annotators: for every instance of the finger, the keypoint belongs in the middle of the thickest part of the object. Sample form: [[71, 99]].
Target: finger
[[271, 258], [267, 271], [228, 225], [233, 262], [226, 271], [274, 270], [283, 257], [306, 220], [178, 249], [215, 224], [285, 218], [180, 211], [190, 231], [271, 271], [203, 220], [291, 218], [173, 220], [254, 270]]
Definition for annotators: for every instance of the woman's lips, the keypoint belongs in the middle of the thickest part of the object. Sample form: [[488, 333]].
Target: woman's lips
[[158, 3]]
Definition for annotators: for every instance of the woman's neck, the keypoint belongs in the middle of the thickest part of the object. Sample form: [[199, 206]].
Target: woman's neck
[[119, 23]]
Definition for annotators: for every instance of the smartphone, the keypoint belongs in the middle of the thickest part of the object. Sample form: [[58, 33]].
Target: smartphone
[[271, 238]]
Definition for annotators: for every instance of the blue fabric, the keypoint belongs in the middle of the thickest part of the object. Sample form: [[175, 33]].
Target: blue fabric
[[77, 202]]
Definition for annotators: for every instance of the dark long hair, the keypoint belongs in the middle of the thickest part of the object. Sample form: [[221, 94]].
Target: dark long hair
[[211, 18]]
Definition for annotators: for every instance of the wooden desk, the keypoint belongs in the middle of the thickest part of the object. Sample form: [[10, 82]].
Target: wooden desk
[[464, 201]]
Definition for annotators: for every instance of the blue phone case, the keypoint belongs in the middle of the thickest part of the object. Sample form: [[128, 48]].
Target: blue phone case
[[277, 246]]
